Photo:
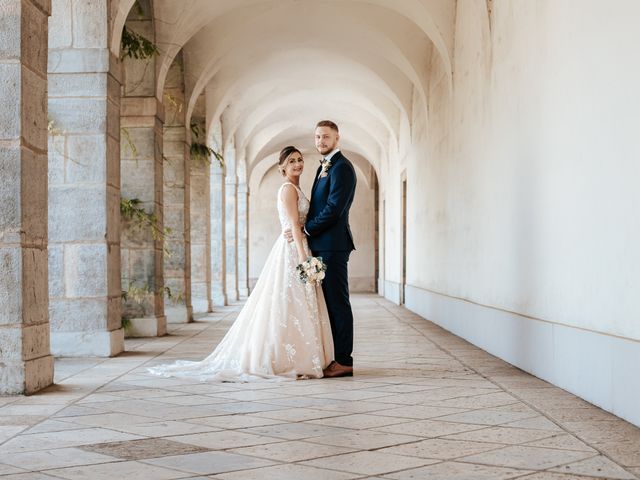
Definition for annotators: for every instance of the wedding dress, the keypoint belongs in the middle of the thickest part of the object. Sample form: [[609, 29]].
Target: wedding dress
[[283, 330]]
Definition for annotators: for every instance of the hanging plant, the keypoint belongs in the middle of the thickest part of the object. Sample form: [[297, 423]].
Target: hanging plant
[[139, 10], [134, 45], [125, 322], [196, 130], [134, 299], [175, 297], [202, 153], [51, 126], [130, 209], [138, 295]]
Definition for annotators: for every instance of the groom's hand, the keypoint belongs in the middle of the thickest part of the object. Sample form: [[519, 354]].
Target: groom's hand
[[288, 235]]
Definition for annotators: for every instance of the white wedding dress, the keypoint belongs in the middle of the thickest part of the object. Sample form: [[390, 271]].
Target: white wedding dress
[[283, 331]]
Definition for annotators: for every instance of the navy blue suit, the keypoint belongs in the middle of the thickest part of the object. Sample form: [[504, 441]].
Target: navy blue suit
[[329, 237]]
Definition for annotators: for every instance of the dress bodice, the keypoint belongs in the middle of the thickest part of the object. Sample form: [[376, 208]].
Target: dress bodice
[[303, 207]]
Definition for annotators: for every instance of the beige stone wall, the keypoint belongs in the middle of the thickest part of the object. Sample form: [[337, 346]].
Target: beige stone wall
[[84, 183], [199, 236], [176, 195], [25, 362], [142, 164]]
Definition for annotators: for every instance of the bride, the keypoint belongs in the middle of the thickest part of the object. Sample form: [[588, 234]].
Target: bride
[[283, 331]]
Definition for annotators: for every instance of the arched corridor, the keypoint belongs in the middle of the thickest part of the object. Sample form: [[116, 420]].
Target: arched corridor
[[496, 154]]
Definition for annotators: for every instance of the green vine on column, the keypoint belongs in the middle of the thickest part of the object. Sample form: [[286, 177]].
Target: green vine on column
[[130, 209], [134, 45], [201, 152], [138, 295]]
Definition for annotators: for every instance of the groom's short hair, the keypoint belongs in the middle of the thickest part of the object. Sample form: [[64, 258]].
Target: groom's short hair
[[328, 123]]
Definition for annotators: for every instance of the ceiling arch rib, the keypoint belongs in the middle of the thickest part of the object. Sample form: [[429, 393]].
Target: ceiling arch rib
[[434, 18], [229, 48], [255, 89], [303, 121], [229, 82], [328, 106]]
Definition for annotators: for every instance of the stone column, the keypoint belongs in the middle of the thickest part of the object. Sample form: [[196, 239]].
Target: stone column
[[200, 237], [243, 240], [84, 183], [231, 223], [142, 121], [177, 263], [218, 271], [25, 362]]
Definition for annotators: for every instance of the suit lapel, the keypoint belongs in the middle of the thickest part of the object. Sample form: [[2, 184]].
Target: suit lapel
[[335, 159]]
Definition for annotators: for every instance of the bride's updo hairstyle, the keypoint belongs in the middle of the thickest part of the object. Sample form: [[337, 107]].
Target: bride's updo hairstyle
[[285, 153]]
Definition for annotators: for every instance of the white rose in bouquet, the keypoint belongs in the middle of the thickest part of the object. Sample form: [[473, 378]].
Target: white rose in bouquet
[[312, 270]]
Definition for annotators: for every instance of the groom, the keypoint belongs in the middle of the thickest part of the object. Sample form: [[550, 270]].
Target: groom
[[329, 237]]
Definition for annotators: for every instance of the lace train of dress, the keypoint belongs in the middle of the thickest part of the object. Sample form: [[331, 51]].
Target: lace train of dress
[[283, 330]]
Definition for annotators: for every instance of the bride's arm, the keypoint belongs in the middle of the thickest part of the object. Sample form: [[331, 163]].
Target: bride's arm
[[290, 201]]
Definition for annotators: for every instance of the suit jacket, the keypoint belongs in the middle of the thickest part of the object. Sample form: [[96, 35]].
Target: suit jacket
[[331, 197]]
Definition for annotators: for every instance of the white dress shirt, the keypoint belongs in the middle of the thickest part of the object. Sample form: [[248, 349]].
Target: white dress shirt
[[331, 154]]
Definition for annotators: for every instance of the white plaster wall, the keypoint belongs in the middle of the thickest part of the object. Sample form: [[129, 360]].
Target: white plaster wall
[[524, 198], [393, 229], [264, 226], [522, 232]]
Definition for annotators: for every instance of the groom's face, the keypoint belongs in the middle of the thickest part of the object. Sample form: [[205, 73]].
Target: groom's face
[[326, 139]]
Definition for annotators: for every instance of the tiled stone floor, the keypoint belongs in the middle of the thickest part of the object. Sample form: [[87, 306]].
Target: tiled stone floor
[[424, 404]]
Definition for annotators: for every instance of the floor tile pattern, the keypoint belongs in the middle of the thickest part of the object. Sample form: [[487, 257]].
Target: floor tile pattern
[[423, 404]]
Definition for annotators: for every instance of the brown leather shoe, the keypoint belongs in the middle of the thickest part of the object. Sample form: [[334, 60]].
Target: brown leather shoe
[[335, 370]]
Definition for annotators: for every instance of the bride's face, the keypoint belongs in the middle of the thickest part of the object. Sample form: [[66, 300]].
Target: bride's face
[[294, 166]]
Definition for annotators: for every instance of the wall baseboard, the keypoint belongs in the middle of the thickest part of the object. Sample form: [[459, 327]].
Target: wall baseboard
[[602, 369]]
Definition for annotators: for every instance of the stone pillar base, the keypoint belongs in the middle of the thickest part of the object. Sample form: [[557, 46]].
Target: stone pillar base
[[27, 377], [87, 344], [243, 292], [178, 314], [147, 327]]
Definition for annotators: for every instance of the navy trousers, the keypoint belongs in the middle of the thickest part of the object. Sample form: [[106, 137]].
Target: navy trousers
[[335, 287]]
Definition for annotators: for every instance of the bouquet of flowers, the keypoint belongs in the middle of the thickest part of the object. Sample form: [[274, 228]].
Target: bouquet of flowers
[[312, 270]]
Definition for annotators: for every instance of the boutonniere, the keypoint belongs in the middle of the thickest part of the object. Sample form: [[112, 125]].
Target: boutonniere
[[326, 165]]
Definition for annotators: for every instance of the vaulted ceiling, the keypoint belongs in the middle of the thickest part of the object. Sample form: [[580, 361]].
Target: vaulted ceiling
[[271, 69]]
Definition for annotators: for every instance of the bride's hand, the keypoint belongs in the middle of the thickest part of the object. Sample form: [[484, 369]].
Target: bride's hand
[[288, 236]]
